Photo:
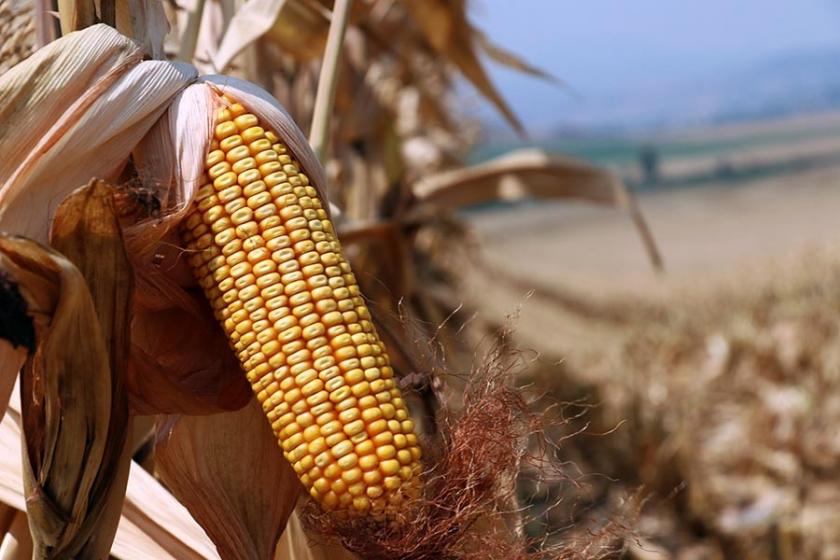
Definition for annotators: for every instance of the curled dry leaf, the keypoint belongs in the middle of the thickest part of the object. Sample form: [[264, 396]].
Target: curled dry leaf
[[65, 399], [74, 413], [86, 230], [240, 489], [153, 524], [533, 173], [509, 59]]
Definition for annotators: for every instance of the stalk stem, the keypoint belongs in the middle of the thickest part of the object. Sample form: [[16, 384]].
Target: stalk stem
[[190, 37], [325, 97]]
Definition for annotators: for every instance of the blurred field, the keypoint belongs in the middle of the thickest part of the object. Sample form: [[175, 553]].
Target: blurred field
[[721, 376]]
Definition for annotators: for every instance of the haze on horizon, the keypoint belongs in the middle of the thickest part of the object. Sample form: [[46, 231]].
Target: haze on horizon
[[612, 53]]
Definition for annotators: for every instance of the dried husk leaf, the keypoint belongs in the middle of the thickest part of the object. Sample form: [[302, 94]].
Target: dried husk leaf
[[167, 374], [145, 22], [17, 543], [172, 317], [86, 231], [27, 299], [85, 98], [240, 489], [11, 476], [66, 394], [17, 334], [153, 510]]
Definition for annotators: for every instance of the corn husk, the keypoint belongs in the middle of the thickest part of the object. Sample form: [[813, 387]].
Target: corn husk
[[87, 99], [240, 489]]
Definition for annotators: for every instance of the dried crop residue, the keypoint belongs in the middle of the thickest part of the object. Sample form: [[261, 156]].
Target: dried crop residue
[[731, 397]]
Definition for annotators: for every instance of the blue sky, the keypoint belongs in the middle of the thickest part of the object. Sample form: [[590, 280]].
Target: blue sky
[[608, 48]]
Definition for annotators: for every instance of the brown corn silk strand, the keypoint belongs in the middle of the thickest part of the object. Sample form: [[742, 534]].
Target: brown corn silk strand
[[263, 249]]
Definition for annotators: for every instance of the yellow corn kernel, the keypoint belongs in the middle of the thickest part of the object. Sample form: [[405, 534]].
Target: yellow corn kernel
[[265, 253]]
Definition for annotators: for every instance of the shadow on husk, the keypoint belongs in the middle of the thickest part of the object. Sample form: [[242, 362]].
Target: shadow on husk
[[470, 506]]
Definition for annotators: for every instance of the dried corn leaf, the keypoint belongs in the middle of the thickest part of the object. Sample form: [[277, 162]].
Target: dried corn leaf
[[532, 173], [445, 25], [86, 231], [239, 488], [26, 300], [249, 23], [145, 22], [17, 543], [507, 58], [66, 394]]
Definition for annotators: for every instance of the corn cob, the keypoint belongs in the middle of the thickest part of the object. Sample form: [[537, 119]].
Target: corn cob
[[264, 251]]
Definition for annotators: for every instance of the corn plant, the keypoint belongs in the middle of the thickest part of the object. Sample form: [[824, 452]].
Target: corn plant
[[145, 205]]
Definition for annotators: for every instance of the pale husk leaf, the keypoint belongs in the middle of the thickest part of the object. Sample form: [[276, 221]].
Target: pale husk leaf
[[92, 116], [166, 374], [151, 508], [240, 489], [86, 231], [37, 92], [11, 475]]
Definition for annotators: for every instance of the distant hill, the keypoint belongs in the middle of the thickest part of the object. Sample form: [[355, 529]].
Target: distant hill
[[791, 84]]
